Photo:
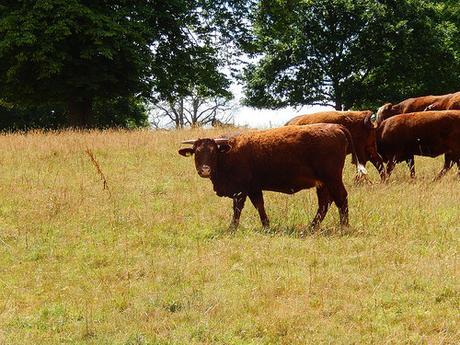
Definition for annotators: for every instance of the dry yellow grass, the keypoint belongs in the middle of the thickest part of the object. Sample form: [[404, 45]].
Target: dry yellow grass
[[151, 262]]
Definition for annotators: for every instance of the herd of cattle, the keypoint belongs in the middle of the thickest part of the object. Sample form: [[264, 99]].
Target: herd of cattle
[[310, 150]]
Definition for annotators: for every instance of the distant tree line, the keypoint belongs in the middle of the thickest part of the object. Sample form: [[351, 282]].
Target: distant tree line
[[96, 63]]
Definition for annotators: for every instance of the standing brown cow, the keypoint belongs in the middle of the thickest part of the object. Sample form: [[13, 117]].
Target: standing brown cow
[[362, 129], [285, 160], [417, 104], [430, 133]]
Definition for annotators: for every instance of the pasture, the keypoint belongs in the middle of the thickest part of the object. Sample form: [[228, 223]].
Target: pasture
[[149, 261]]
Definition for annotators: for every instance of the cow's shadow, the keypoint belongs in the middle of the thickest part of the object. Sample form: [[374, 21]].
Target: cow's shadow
[[298, 231], [304, 231]]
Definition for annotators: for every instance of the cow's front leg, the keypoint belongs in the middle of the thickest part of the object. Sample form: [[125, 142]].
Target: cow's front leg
[[377, 161], [411, 164], [257, 200], [390, 166], [238, 204]]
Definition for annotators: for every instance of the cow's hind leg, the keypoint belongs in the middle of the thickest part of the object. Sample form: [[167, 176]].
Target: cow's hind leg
[[324, 200], [340, 196], [360, 162], [257, 200], [448, 164], [390, 166], [411, 164], [457, 161], [238, 204]]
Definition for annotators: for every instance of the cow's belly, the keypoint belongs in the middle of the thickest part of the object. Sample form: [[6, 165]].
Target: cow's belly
[[290, 186], [427, 149]]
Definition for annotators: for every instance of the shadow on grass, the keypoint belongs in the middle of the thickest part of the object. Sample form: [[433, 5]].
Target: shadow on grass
[[292, 231], [302, 231]]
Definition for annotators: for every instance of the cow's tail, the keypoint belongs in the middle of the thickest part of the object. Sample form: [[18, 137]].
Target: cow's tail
[[359, 166]]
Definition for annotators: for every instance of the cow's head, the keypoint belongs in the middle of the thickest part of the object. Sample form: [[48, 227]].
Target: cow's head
[[384, 112], [206, 152]]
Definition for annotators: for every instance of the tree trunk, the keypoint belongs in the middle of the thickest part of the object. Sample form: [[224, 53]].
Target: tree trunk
[[195, 106], [181, 112], [338, 100], [79, 113], [338, 95]]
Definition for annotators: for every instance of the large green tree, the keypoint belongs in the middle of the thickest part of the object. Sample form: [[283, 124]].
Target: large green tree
[[350, 53], [71, 52], [121, 112]]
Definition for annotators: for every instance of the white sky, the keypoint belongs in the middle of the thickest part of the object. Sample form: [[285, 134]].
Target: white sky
[[263, 118], [266, 118]]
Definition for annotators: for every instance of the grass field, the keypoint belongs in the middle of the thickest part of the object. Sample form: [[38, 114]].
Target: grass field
[[149, 261]]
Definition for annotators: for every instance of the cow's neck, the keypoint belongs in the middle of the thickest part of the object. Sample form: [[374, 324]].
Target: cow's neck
[[223, 178]]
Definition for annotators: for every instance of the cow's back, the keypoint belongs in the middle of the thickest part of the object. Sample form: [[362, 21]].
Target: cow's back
[[430, 133], [290, 158], [410, 105], [285, 143], [454, 102], [345, 118], [416, 104], [357, 122], [354, 121]]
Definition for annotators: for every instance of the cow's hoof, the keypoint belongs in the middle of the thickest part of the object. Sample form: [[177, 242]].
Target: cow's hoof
[[232, 228]]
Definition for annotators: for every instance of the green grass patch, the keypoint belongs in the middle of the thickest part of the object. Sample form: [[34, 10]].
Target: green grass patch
[[149, 261]]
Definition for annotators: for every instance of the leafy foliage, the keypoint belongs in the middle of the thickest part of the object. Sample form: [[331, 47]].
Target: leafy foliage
[[351, 53], [121, 112], [14, 118], [69, 52]]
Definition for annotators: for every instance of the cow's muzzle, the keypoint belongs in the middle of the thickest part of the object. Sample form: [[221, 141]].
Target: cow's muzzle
[[204, 171]]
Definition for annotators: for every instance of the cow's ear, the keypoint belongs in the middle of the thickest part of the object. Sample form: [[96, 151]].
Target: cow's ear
[[186, 152], [224, 148]]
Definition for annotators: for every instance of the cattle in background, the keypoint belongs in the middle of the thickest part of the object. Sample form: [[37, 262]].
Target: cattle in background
[[362, 129], [429, 133], [285, 160], [409, 105], [449, 102], [416, 104]]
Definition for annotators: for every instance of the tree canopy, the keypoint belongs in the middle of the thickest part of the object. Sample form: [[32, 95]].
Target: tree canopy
[[351, 53], [95, 63], [70, 52]]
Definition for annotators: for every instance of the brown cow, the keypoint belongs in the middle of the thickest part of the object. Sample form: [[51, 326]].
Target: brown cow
[[449, 102], [410, 105], [361, 126], [429, 133], [285, 160]]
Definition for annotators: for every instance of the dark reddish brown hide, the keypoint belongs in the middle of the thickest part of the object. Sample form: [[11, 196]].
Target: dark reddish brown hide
[[285, 160], [409, 105], [361, 127], [417, 104], [448, 102], [430, 133]]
